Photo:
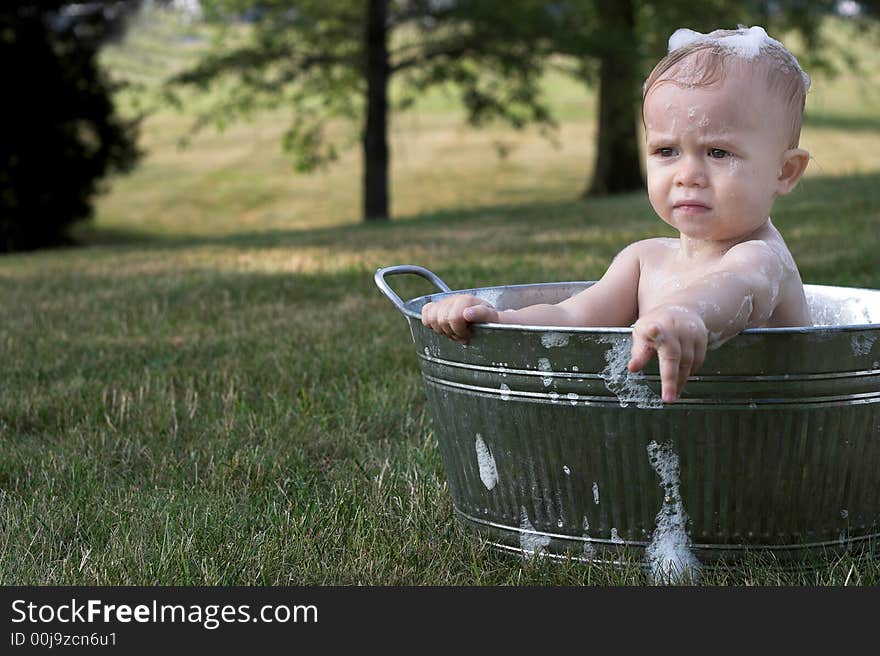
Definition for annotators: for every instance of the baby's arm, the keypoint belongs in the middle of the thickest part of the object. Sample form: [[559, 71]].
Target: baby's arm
[[612, 301], [740, 291]]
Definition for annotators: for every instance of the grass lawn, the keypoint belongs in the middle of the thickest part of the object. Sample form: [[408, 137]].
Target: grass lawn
[[211, 390]]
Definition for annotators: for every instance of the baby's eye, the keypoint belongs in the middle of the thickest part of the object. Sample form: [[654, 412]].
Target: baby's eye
[[718, 153], [666, 151]]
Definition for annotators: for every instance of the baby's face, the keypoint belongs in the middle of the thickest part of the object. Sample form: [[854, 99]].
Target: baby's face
[[714, 155]]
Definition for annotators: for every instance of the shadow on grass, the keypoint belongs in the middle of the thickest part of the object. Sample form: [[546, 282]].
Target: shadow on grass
[[829, 223]]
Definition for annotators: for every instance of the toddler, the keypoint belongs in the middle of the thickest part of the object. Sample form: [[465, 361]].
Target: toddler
[[722, 114]]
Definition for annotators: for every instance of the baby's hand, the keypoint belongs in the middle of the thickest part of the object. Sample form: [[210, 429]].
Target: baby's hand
[[451, 316], [679, 337]]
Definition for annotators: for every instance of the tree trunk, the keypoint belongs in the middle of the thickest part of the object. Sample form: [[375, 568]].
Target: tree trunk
[[375, 143], [617, 153]]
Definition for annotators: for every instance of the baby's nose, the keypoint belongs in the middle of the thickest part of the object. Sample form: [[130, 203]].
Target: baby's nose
[[690, 173]]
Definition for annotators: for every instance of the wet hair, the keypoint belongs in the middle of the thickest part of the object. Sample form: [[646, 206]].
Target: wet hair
[[705, 62]]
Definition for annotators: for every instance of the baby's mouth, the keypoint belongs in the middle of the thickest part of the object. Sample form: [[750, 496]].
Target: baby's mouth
[[691, 207]]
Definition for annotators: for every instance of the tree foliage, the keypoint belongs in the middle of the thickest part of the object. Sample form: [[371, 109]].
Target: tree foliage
[[313, 57], [61, 135], [318, 59]]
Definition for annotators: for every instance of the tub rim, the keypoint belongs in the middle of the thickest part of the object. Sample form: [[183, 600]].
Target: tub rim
[[408, 311]]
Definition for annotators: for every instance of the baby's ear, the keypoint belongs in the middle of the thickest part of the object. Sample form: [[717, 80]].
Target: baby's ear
[[794, 163]]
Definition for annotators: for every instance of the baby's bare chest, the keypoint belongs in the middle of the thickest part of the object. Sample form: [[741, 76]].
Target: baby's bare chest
[[661, 279]]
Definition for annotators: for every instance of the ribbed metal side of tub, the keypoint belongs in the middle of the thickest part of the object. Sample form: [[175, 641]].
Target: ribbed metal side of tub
[[548, 443]]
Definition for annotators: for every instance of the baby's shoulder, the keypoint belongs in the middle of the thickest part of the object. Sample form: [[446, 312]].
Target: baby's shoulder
[[756, 251], [652, 251], [650, 246]]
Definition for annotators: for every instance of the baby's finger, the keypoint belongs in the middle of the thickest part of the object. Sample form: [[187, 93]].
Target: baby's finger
[[445, 323], [644, 346], [459, 327], [428, 314], [669, 356], [480, 314], [699, 354], [685, 368]]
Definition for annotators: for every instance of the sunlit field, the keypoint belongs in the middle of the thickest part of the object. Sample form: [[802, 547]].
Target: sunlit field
[[209, 389]]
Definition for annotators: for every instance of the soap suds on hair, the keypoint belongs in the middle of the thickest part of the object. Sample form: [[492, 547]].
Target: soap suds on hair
[[745, 43], [486, 463], [668, 554]]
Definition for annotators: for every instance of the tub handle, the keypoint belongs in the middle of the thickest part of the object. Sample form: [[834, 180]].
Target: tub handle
[[385, 288]]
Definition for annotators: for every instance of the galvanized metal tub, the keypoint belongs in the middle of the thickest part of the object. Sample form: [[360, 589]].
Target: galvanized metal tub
[[551, 447]]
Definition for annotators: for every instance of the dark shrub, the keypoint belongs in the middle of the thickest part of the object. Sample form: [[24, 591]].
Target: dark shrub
[[59, 134]]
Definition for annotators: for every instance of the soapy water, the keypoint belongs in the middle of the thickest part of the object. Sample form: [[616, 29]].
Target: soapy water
[[544, 365], [588, 546], [716, 339], [531, 543], [669, 555], [862, 344], [554, 340], [486, 463], [626, 386]]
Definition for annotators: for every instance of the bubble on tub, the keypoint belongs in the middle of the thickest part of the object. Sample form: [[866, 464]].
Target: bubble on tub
[[669, 555], [572, 398], [544, 365], [844, 513], [566, 470], [595, 493], [486, 463], [574, 368], [560, 523], [626, 386], [615, 538], [862, 344], [427, 352], [531, 543], [554, 397], [505, 392], [554, 340], [588, 545]]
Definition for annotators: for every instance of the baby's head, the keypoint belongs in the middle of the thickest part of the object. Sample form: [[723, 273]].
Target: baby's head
[[703, 60], [723, 114]]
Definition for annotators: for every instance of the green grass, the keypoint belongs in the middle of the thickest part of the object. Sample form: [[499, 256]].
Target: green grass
[[212, 391]]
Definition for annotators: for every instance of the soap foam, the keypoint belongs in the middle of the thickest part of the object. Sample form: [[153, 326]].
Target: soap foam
[[486, 463], [588, 546], [628, 387], [668, 554], [745, 43], [544, 365], [554, 340], [531, 543], [862, 344]]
